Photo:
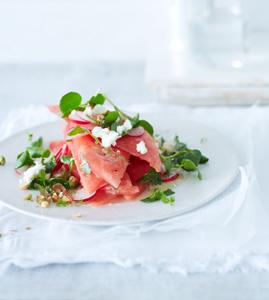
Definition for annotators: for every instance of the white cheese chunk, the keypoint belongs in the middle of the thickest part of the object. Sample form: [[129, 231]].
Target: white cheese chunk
[[141, 148], [124, 127], [108, 137], [31, 173]]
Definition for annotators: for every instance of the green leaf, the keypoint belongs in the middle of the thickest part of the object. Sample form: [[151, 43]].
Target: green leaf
[[24, 159], [68, 160], [147, 126], [158, 195], [188, 165], [97, 99], [76, 130], [62, 203], [194, 156], [151, 177], [69, 102], [203, 159], [50, 164], [135, 120], [38, 143], [169, 192], [110, 118], [179, 146]]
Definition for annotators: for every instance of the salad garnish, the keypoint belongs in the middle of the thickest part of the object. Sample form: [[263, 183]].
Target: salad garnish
[[2, 160], [105, 157]]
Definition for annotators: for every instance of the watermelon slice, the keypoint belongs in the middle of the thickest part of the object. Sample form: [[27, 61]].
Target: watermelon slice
[[137, 168], [125, 191], [89, 181], [128, 143], [106, 164]]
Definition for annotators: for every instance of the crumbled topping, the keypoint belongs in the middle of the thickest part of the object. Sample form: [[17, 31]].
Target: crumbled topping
[[107, 136], [124, 127], [141, 148]]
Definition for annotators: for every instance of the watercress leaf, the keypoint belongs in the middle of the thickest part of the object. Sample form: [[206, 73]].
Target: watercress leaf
[[24, 159], [193, 155], [45, 153], [110, 118], [76, 130], [147, 126], [179, 146], [152, 177], [69, 102], [188, 165], [158, 195], [135, 120], [169, 192], [50, 164], [38, 143], [97, 99], [203, 159]]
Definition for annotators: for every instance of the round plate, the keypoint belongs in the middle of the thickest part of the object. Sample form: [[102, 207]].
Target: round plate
[[190, 193]]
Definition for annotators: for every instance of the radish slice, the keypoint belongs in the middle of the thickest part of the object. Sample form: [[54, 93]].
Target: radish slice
[[54, 109], [170, 178], [81, 195], [136, 131], [79, 118]]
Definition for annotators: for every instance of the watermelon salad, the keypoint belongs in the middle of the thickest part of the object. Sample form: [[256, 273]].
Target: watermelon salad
[[104, 157]]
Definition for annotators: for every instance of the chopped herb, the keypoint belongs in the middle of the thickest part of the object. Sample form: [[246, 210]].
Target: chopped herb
[[50, 164], [159, 195], [69, 102], [62, 203], [2, 160], [68, 160], [152, 177]]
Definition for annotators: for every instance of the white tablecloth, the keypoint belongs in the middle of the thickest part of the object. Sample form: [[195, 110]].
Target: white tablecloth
[[230, 233]]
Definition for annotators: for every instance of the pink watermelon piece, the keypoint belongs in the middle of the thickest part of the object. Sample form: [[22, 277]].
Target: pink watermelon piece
[[125, 191], [137, 168], [128, 143], [90, 182], [106, 164]]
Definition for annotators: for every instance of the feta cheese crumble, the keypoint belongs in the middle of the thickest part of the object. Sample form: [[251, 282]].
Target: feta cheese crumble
[[124, 127], [31, 173], [108, 137], [141, 148], [84, 166]]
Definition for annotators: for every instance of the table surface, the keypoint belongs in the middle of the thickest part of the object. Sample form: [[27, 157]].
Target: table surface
[[22, 85]]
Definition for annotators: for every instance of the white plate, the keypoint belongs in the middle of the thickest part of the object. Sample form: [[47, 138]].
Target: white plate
[[191, 193]]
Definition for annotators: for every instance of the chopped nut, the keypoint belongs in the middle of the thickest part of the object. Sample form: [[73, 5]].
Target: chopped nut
[[54, 197], [45, 204], [40, 198], [2, 160], [28, 197], [61, 194], [77, 215], [66, 199], [57, 188]]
